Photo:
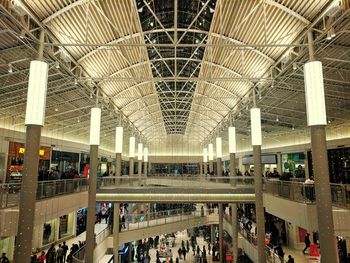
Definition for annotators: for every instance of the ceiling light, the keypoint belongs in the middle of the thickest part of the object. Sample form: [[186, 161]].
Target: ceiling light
[[197, 41], [260, 97], [200, 23], [277, 119], [293, 128], [140, 10], [329, 121], [10, 70], [75, 82], [23, 33], [211, 10], [57, 65], [151, 24], [294, 66], [330, 33], [56, 109]]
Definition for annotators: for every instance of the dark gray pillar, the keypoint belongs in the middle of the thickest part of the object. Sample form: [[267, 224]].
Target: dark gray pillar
[[27, 201], [205, 168], [234, 233], [139, 168], [90, 225], [145, 169], [219, 167], [131, 167], [116, 232], [118, 164], [323, 195], [211, 166], [212, 234], [259, 206], [221, 232]]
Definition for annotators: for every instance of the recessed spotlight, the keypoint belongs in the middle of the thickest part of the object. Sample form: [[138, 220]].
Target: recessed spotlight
[[10, 70], [75, 82], [151, 24], [56, 109], [294, 66], [277, 119], [293, 128], [329, 121], [57, 65]]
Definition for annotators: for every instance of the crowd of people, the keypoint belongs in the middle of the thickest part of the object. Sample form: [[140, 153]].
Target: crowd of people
[[59, 254]]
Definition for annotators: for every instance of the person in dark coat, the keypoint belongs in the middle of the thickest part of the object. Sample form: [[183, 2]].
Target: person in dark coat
[[307, 242]]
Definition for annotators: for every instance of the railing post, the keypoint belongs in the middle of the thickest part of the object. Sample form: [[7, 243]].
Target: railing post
[[343, 193]]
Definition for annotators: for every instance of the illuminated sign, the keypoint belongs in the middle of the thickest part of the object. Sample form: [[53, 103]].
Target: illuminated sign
[[41, 152]]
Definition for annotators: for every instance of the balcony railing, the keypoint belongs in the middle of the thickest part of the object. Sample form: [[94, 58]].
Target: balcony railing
[[305, 192], [10, 192]]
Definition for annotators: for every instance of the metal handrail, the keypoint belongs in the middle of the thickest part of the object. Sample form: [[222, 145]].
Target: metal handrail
[[305, 192], [10, 192]]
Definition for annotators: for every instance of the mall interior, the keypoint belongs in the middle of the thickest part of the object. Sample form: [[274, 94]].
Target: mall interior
[[174, 131]]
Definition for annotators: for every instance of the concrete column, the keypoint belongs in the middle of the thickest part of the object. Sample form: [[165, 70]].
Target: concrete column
[[118, 164], [34, 120], [205, 168], [145, 169], [116, 232], [90, 224], [211, 166], [323, 195], [234, 233], [221, 232], [131, 167], [260, 214], [219, 167], [279, 163], [139, 168], [201, 168], [28, 195]]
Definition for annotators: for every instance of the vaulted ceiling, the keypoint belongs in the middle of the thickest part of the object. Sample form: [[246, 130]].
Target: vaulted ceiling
[[175, 67]]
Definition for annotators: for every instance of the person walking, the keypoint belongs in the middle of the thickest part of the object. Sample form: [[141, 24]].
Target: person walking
[[184, 251], [279, 251], [290, 259], [65, 250], [4, 259], [42, 257], [51, 255], [60, 254], [307, 242]]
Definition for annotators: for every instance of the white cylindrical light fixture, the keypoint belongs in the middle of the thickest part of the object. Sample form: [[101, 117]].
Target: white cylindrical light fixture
[[232, 148], [118, 139], [314, 94], [140, 152], [145, 154], [36, 95], [210, 152], [132, 147], [95, 124], [255, 123], [205, 155], [218, 147]]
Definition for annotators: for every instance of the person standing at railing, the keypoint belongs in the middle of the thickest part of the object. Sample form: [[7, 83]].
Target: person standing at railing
[[309, 188]]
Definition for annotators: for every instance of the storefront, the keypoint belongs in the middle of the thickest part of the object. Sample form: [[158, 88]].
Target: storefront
[[269, 162], [84, 164], [16, 158], [175, 168], [81, 220], [67, 163], [294, 164]]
